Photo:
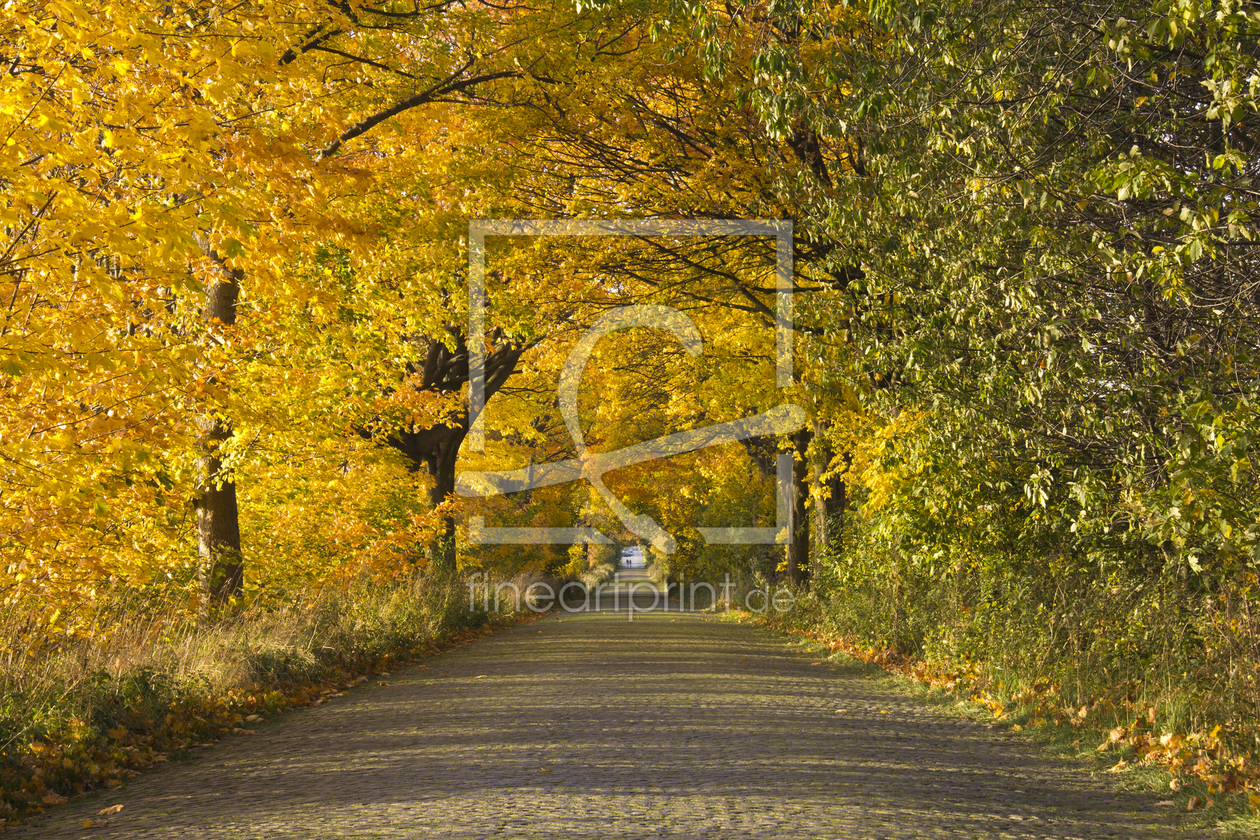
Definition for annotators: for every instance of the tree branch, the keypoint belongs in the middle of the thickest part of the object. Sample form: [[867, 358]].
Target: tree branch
[[424, 97]]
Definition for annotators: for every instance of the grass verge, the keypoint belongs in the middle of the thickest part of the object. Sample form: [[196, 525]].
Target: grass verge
[[1218, 786], [151, 683]]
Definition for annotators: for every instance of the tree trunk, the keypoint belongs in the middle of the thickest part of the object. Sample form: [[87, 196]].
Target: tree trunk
[[441, 464], [437, 448], [221, 571], [798, 528], [829, 498]]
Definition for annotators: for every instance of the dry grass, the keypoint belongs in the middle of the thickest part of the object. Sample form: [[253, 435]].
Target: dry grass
[[145, 678]]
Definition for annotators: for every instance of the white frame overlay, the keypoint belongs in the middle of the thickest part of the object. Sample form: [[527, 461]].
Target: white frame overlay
[[478, 230]]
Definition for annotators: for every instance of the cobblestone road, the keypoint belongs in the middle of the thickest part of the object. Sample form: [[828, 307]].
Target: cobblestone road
[[592, 726]]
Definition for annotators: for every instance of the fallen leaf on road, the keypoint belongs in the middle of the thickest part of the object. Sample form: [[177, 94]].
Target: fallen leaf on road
[[254, 718], [382, 682], [54, 799], [95, 823], [110, 811], [1163, 803], [842, 711], [545, 769]]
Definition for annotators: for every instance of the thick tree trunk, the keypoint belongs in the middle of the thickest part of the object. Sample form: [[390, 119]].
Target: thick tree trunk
[[829, 498], [437, 448], [818, 505], [221, 572], [222, 569], [441, 463], [798, 530]]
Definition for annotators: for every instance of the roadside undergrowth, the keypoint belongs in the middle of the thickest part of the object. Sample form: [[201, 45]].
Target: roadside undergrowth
[[1202, 771], [151, 684]]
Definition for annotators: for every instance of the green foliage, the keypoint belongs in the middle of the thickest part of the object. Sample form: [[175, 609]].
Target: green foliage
[[1038, 224]]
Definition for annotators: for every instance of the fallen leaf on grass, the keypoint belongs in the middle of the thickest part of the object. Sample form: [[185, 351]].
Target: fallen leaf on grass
[[382, 682], [254, 718], [1195, 802], [110, 811], [842, 711], [54, 799], [1163, 803]]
